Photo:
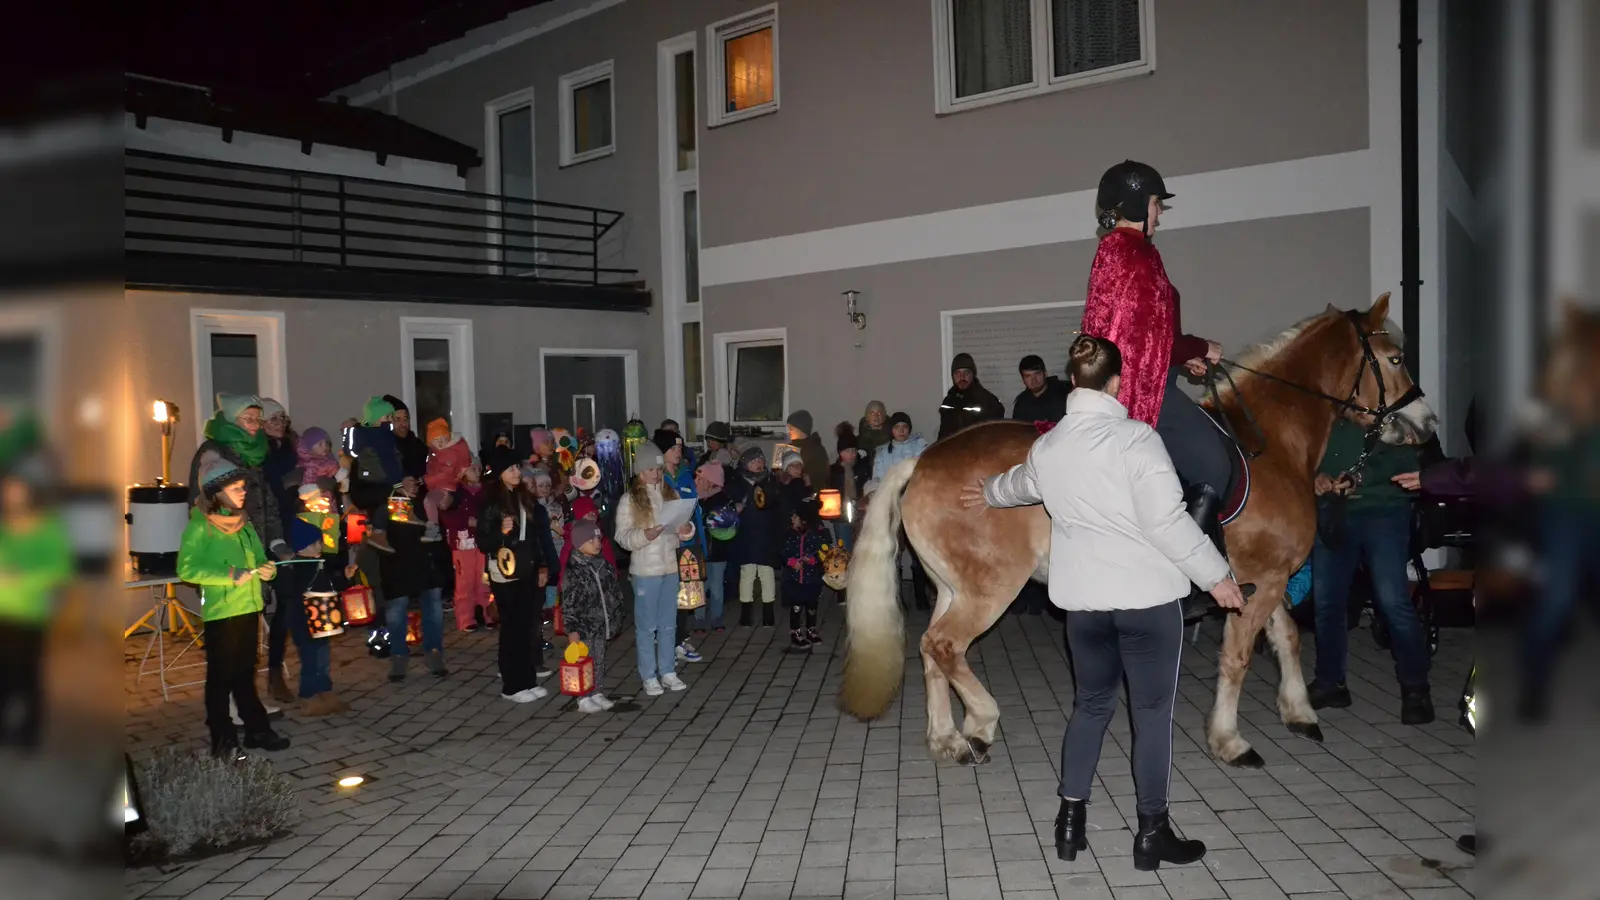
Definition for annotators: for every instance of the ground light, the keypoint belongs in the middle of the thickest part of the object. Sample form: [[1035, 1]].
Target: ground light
[[350, 781]]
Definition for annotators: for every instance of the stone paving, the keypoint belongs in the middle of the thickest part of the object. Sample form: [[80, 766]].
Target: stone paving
[[752, 785]]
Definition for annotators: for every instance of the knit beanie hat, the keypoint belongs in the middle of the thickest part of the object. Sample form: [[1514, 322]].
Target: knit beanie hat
[[648, 456], [847, 437], [375, 409], [438, 428], [271, 407], [217, 473], [719, 432], [541, 474], [963, 361], [789, 458], [877, 405], [313, 436], [398, 404], [899, 417], [800, 419], [303, 534], [665, 440], [584, 531], [750, 454], [233, 405]]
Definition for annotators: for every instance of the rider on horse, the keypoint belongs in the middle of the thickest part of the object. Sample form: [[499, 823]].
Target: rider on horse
[[1134, 305]]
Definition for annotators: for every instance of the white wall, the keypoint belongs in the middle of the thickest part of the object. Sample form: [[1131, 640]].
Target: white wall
[[205, 142]]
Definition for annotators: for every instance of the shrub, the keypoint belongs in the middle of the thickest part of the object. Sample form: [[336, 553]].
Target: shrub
[[197, 805]]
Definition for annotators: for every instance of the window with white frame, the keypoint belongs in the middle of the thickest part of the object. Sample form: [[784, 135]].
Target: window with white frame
[[588, 113], [989, 51], [756, 381], [743, 66]]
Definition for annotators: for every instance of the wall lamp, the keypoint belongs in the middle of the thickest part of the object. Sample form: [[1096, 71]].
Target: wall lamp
[[858, 319]]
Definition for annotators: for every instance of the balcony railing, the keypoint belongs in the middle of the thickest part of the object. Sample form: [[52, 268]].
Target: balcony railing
[[198, 209]]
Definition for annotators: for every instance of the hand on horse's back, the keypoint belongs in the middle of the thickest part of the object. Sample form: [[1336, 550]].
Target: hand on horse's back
[[972, 494]]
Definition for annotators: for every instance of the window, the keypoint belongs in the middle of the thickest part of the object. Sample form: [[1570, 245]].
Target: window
[[437, 356], [509, 141], [693, 390], [691, 246], [989, 51], [430, 365], [744, 66], [757, 375], [234, 367], [588, 111], [236, 352], [683, 109]]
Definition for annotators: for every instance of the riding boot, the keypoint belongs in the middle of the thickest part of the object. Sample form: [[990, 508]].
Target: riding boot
[[1203, 504], [1069, 829], [1156, 844]]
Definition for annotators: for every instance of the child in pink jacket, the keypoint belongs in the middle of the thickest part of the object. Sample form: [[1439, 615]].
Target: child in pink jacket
[[448, 456]]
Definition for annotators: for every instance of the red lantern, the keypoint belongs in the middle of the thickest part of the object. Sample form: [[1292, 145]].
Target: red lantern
[[355, 527], [559, 621], [413, 628], [577, 678], [359, 607]]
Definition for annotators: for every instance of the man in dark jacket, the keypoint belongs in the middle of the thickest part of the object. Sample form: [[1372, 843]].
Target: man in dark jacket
[[1043, 397], [813, 456], [413, 451], [967, 402]]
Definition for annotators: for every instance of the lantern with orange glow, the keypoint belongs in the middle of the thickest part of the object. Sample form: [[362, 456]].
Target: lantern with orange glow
[[359, 607], [413, 628], [324, 618], [577, 670], [832, 504], [402, 508], [355, 527], [558, 621]]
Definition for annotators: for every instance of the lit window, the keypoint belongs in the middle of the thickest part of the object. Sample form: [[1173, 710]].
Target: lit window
[[984, 49], [588, 111], [744, 69]]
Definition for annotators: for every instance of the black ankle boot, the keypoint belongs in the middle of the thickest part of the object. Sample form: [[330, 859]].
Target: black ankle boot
[[1416, 706], [1203, 504], [1156, 844], [1070, 823], [746, 615], [266, 740]]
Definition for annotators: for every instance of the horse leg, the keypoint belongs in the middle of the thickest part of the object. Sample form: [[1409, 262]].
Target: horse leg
[[1222, 729], [1294, 706], [944, 741]]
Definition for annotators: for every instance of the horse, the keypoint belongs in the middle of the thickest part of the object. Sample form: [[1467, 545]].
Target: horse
[[1289, 390]]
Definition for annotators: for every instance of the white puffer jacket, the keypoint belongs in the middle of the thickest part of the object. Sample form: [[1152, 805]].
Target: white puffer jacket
[[657, 557]]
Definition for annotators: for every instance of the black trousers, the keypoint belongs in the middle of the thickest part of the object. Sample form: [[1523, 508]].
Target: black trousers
[[231, 655], [521, 605], [21, 685], [1144, 645], [1199, 451]]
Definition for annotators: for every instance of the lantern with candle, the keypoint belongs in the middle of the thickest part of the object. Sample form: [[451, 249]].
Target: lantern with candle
[[832, 504], [323, 616], [577, 670], [359, 607], [413, 628], [558, 621]]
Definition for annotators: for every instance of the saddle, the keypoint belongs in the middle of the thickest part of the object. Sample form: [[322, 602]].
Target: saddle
[[1213, 505]]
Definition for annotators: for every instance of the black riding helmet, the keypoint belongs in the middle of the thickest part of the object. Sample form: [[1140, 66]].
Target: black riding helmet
[[1125, 191]]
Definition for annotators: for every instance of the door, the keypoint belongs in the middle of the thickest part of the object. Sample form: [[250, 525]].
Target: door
[[586, 391]]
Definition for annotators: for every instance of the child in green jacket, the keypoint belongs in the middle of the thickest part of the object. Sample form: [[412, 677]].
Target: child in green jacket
[[222, 556], [36, 561]]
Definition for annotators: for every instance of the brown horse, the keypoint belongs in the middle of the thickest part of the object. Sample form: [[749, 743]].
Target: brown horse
[[1296, 384]]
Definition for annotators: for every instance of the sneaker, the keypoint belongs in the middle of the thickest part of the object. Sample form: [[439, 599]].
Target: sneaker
[[673, 682], [527, 696], [589, 705], [653, 687], [813, 635], [431, 533], [687, 653], [542, 673], [603, 701], [470, 629], [798, 640]]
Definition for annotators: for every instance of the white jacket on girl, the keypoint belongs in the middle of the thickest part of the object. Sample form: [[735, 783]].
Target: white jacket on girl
[[657, 557], [1120, 535]]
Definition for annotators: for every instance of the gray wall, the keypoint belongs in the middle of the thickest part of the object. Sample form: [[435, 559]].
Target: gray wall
[[1244, 281]]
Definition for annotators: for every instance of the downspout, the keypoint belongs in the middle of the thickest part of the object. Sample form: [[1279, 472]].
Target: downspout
[[1410, 189]]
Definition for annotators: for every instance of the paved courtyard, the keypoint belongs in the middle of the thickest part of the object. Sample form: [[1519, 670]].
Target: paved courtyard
[[752, 785]]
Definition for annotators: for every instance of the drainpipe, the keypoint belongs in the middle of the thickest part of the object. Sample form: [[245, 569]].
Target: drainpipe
[[1410, 196]]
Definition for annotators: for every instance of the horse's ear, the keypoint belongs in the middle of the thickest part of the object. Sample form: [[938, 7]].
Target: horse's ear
[[1331, 309], [1379, 313]]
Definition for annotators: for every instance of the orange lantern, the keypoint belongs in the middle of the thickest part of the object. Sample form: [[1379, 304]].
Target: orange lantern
[[832, 504], [323, 616], [355, 527], [558, 621], [359, 606], [402, 508], [577, 670], [413, 628]]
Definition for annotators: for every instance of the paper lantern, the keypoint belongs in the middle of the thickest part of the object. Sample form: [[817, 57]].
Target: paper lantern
[[586, 474], [413, 628], [558, 621], [832, 504], [633, 434], [359, 607], [577, 670], [324, 618], [355, 527], [402, 508]]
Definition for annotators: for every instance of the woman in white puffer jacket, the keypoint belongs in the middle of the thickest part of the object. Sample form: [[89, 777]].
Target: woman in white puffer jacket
[[653, 569]]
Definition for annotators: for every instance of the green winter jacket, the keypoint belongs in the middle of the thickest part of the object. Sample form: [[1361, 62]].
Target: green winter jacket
[[33, 564], [208, 558], [1377, 493]]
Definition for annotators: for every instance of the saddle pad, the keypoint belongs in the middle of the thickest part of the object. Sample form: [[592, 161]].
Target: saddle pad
[[1237, 493]]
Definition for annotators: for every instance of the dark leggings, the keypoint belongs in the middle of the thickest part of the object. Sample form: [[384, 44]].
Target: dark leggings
[[1198, 448], [1145, 645], [21, 686], [231, 653], [521, 605]]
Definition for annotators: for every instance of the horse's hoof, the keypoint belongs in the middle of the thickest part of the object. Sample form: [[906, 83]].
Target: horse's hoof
[[1249, 759], [980, 750], [1311, 731]]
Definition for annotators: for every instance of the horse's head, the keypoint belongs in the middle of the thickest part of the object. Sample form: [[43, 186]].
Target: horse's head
[[1380, 389]]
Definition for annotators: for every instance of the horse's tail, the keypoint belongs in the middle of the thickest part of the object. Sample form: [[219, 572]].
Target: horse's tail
[[875, 649]]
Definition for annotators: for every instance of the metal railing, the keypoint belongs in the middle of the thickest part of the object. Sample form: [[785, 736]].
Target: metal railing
[[190, 207]]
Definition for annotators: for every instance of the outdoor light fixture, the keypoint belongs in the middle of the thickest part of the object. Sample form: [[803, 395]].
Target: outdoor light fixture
[[858, 319], [350, 781], [133, 820]]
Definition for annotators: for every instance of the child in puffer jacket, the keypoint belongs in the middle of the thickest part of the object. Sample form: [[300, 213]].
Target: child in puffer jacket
[[591, 601], [448, 455], [802, 572], [460, 523]]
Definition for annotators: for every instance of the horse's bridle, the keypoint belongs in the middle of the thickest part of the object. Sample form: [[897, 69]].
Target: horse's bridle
[[1369, 360]]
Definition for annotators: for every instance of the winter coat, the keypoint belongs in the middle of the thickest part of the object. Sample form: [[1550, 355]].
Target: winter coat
[[762, 520], [1049, 406], [896, 452], [591, 597], [35, 562], [860, 473], [804, 547], [444, 466], [464, 507], [260, 501], [959, 409], [815, 459], [523, 541], [377, 456], [869, 439], [413, 452], [413, 567], [649, 558], [207, 559], [280, 470]]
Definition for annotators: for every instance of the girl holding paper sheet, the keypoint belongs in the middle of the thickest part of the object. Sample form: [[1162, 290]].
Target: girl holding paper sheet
[[653, 568]]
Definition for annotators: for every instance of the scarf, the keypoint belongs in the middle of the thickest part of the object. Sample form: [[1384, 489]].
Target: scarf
[[227, 523], [250, 450], [315, 467]]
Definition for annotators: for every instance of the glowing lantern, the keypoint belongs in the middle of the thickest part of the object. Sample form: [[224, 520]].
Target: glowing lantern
[[359, 607], [633, 434], [577, 670], [323, 616], [558, 621], [691, 580], [355, 527], [401, 508], [832, 504], [413, 628]]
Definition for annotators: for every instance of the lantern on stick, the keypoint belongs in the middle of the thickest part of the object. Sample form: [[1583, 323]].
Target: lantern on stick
[[633, 434], [577, 670], [324, 618]]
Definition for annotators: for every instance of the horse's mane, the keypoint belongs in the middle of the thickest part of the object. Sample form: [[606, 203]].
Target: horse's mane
[[1256, 356]]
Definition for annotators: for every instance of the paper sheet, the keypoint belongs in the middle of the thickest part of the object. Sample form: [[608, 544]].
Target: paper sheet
[[674, 513]]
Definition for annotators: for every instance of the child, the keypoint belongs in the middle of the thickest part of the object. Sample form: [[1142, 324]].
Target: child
[[35, 562], [518, 572], [722, 522], [555, 515], [592, 602], [760, 538], [447, 457], [376, 469], [317, 463], [460, 522], [221, 554], [584, 509], [653, 569], [802, 573]]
